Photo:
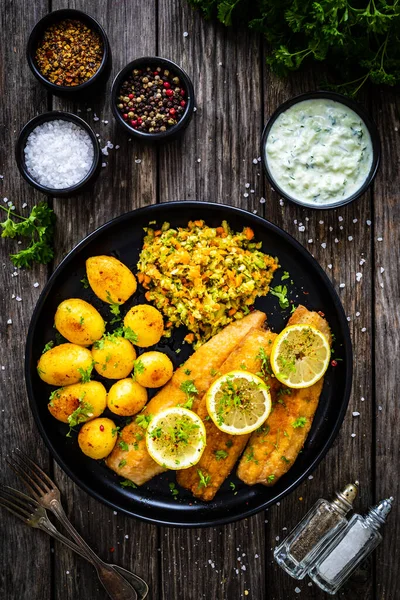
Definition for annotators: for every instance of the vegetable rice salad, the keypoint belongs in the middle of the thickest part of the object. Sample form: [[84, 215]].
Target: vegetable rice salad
[[203, 277]]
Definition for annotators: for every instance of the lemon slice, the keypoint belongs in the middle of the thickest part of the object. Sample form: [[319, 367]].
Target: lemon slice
[[238, 402], [176, 438], [300, 356]]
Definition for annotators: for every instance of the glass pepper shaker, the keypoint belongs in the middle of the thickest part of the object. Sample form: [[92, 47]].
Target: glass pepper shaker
[[352, 545], [325, 519]]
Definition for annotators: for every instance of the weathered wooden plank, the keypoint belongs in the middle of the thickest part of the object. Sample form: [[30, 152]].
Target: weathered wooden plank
[[213, 162], [339, 239], [386, 234], [21, 100], [122, 186]]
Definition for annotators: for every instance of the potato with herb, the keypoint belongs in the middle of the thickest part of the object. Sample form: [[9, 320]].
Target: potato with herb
[[126, 397], [113, 356], [65, 364], [84, 401], [147, 323], [110, 279], [79, 322], [153, 369], [97, 438]]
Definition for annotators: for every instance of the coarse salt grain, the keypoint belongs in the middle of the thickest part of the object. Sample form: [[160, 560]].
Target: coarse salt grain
[[350, 238], [364, 329], [262, 200], [358, 276], [353, 435], [35, 285], [58, 154], [368, 222], [329, 266], [323, 245], [9, 322], [255, 161], [185, 34], [356, 414], [247, 185], [342, 285]]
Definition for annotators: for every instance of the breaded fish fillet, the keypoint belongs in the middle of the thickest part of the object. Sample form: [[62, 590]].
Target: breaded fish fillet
[[135, 463], [214, 467], [272, 450]]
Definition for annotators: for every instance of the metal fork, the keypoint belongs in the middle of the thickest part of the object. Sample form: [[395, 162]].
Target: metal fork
[[31, 513], [47, 495]]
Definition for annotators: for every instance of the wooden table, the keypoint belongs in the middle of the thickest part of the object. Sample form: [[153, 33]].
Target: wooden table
[[213, 161]]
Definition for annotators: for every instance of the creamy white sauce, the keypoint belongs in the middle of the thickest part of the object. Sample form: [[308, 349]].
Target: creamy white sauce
[[319, 151]]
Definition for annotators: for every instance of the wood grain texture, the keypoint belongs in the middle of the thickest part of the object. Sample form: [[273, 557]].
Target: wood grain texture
[[17, 428], [386, 233]]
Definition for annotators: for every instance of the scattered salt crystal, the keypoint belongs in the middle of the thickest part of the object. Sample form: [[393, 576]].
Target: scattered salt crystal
[[323, 245], [307, 219], [341, 227], [310, 477], [277, 538], [9, 322], [24, 205], [117, 147], [281, 202], [278, 504], [115, 512], [252, 191], [3, 368], [256, 556], [18, 299], [362, 261], [336, 241], [362, 398], [1, 176], [295, 221], [259, 159], [356, 414], [302, 228], [9, 204], [357, 314], [349, 319], [5, 200], [35, 285], [381, 285], [309, 583], [245, 195], [342, 285], [103, 165], [95, 117], [185, 34], [262, 200], [194, 110], [353, 435], [382, 270], [330, 228], [310, 241], [89, 109], [379, 407], [247, 185], [127, 537], [255, 161], [364, 329], [358, 276], [329, 266], [321, 222], [139, 160], [368, 222], [340, 218], [350, 238], [297, 590], [379, 239], [199, 160], [67, 572], [105, 151], [106, 122], [355, 220], [58, 154]]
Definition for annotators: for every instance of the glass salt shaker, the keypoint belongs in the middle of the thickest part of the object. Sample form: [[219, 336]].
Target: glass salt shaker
[[325, 519], [361, 536]]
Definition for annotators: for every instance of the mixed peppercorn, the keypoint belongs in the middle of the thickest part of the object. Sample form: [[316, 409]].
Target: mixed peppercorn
[[152, 100], [70, 53]]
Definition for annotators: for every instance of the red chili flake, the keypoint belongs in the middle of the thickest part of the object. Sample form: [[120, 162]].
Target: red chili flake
[[306, 293], [334, 363], [101, 427], [321, 314], [112, 549]]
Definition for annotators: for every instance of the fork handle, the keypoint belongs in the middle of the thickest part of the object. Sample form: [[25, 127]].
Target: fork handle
[[115, 585], [140, 586]]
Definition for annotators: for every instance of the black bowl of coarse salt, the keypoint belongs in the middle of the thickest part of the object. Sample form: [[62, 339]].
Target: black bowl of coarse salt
[[58, 154], [153, 99]]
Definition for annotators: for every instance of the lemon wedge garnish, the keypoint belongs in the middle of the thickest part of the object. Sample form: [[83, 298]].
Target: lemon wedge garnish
[[300, 356], [238, 402], [176, 438]]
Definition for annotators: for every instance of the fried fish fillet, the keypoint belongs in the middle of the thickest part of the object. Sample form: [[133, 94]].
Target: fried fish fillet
[[135, 463], [214, 467], [272, 450]]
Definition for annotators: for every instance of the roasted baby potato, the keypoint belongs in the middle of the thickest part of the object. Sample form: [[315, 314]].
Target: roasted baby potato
[[113, 357], [153, 369], [126, 397], [110, 279], [91, 397], [64, 364], [147, 322], [79, 322], [97, 438]]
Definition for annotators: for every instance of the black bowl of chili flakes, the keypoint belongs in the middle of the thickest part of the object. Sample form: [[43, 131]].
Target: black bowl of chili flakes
[[69, 53], [153, 99]]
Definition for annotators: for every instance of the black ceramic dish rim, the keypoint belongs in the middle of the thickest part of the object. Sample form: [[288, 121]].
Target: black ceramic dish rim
[[146, 61], [39, 29], [53, 116], [150, 210], [358, 109]]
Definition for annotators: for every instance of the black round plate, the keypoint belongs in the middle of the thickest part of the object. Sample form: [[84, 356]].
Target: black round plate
[[154, 502]]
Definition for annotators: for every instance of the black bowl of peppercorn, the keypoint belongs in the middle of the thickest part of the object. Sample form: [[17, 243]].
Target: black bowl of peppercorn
[[153, 99], [69, 53]]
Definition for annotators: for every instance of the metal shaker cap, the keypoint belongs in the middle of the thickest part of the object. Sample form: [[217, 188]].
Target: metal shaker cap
[[344, 499], [382, 509]]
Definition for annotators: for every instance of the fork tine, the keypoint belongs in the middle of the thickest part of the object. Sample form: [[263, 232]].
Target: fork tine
[[22, 513], [36, 490], [9, 490], [44, 478], [12, 511], [26, 502]]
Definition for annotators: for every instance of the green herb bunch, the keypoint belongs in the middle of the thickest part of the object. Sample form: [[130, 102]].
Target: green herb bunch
[[360, 39], [38, 227]]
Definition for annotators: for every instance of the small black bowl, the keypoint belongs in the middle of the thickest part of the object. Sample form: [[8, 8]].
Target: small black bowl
[[92, 174], [373, 131], [91, 85], [154, 61]]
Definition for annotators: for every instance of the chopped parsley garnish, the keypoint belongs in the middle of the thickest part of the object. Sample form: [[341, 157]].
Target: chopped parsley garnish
[[204, 479], [123, 445], [265, 363], [130, 335], [189, 389], [85, 282], [81, 321], [285, 276], [243, 367], [300, 422], [229, 443], [48, 347], [143, 420], [86, 375], [54, 394], [187, 372], [220, 454], [213, 372], [173, 490], [115, 430], [114, 309], [250, 456], [270, 478], [293, 309], [122, 463], [127, 483], [232, 485], [280, 291], [286, 460], [80, 415], [138, 367]]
